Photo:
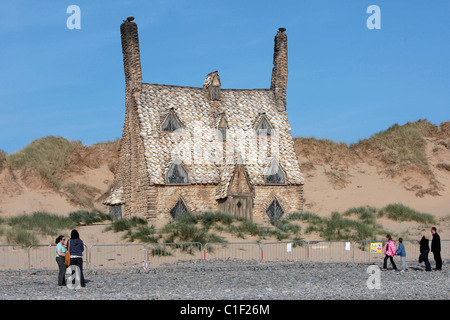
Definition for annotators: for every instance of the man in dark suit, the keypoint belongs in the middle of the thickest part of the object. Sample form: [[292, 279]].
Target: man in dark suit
[[436, 248]]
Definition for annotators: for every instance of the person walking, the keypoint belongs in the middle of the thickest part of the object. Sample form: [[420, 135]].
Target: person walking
[[60, 254], [424, 250], [76, 248], [389, 253], [436, 248], [402, 253]]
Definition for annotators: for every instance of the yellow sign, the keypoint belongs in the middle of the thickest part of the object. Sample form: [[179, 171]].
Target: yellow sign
[[376, 247]]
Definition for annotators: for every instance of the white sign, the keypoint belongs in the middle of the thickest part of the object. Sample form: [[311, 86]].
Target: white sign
[[289, 247], [347, 246]]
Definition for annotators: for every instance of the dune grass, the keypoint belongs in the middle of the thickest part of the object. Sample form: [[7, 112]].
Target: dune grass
[[355, 224], [400, 212], [195, 228], [3, 159], [24, 229], [42, 222], [337, 227], [125, 224], [340, 227], [19, 235], [88, 217], [404, 145], [364, 214], [47, 155], [202, 228], [359, 223]]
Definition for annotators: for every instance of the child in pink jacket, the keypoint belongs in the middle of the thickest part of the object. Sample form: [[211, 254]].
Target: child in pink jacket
[[389, 253]]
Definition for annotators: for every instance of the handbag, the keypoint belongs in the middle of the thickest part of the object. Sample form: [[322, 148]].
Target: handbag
[[67, 257]]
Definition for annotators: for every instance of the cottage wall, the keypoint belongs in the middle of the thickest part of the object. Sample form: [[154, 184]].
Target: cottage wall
[[201, 198], [290, 198], [197, 198]]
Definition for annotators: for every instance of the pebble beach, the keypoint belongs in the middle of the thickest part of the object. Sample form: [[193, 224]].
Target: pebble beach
[[310, 281]]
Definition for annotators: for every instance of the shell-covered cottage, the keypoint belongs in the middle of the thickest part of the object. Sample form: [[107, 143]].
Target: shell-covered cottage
[[195, 149]]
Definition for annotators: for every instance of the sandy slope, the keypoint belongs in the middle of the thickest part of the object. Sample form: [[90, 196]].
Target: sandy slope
[[365, 186]]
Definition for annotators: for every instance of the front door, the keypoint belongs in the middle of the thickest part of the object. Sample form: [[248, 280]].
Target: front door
[[242, 206], [239, 202]]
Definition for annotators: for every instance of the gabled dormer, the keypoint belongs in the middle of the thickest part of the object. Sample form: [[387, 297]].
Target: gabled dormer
[[212, 86], [274, 173], [263, 126], [177, 174], [222, 128], [171, 122]]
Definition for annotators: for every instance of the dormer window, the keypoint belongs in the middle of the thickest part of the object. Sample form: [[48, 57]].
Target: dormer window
[[171, 123], [264, 127], [274, 174], [215, 93], [177, 174], [222, 129], [212, 84]]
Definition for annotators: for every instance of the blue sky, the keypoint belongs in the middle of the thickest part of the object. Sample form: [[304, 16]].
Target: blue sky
[[345, 83]]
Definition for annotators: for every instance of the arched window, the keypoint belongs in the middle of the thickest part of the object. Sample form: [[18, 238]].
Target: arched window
[[171, 123], [275, 211], [177, 174], [179, 209]]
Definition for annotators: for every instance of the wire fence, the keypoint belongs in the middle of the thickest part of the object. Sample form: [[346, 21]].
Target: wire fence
[[170, 255]]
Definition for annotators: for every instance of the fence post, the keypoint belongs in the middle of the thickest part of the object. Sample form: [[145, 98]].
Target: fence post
[[307, 251], [29, 258], [353, 252]]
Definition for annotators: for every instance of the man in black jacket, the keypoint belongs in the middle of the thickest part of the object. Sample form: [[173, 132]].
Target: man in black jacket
[[436, 248]]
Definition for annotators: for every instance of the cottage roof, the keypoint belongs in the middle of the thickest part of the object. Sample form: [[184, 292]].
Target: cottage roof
[[115, 198], [199, 150]]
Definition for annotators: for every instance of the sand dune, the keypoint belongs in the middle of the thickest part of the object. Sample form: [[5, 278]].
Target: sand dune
[[337, 177]]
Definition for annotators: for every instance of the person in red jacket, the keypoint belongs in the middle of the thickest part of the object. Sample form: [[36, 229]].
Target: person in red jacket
[[389, 253]]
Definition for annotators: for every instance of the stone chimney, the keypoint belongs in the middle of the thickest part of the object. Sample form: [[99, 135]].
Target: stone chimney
[[280, 69], [131, 54]]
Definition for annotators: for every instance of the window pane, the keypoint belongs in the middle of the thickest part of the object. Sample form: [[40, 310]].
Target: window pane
[[263, 127], [274, 211], [171, 123], [276, 178], [177, 174], [179, 209], [215, 93], [222, 134]]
